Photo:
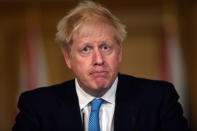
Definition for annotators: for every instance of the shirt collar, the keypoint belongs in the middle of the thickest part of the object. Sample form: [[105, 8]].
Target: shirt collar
[[84, 98]]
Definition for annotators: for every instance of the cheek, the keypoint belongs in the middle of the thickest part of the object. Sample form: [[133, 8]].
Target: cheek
[[113, 62], [116, 57], [78, 71], [80, 65]]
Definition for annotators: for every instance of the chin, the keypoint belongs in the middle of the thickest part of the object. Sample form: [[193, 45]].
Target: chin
[[101, 86]]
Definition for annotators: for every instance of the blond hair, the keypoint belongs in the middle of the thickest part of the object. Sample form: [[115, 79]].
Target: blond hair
[[86, 11]]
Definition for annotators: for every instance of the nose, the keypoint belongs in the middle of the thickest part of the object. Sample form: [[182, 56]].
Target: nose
[[98, 57]]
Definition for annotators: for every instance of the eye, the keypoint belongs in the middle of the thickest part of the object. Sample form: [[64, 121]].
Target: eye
[[86, 49], [105, 47]]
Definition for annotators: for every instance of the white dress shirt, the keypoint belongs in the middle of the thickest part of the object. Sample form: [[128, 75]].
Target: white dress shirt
[[106, 114]]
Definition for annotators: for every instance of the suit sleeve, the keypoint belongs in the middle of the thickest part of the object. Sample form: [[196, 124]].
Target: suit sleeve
[[26, 118], [171, 116]]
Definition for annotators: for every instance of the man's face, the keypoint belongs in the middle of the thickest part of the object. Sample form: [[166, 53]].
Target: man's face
[[95, 57]]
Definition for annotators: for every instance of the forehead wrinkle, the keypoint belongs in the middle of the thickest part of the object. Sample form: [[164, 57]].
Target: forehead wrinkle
[[89, 40], [87, 32]]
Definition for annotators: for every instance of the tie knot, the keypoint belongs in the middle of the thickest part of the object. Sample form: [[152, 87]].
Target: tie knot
[[96, 103]]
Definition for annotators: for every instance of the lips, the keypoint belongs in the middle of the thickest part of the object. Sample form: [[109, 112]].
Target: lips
[[99, 73]]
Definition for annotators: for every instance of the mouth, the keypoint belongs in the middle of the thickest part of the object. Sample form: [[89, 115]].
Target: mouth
[[99, 73]]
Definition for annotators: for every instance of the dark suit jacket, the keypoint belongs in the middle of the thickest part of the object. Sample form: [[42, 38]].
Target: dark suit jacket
[[141, 105]]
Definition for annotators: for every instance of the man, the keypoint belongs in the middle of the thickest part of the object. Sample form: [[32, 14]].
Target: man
[[99, 98]]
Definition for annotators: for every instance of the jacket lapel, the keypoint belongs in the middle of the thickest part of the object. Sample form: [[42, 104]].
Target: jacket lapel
[[126, 108], [68, 112]]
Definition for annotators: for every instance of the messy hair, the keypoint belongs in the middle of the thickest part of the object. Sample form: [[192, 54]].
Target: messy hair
[[86, 11]]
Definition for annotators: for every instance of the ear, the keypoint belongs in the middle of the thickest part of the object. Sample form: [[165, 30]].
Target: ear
[[67, 59], [120, 54]]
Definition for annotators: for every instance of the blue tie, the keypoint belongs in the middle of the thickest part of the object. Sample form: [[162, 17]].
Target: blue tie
[[94, 116]]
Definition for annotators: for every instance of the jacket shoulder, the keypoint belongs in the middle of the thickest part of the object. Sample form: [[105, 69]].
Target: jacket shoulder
[[142, 82], [49, 90], [145, 88], [46, 95]]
